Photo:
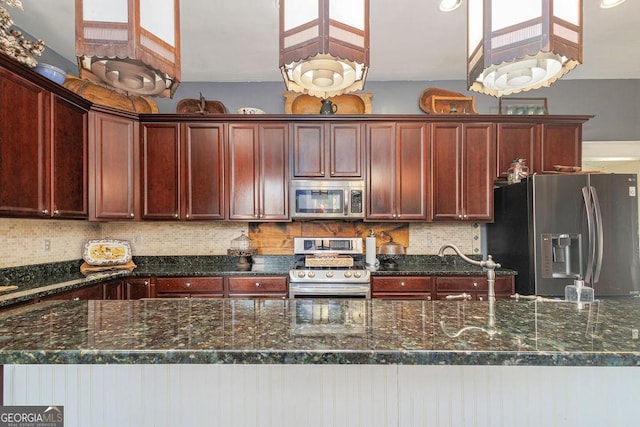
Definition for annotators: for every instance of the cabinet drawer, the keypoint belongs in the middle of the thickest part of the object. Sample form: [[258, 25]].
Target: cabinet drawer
[[257, 284], [401, 284], [189, 284], [473, 283]]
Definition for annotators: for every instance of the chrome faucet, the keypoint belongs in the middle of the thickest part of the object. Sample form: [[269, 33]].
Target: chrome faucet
[[488, 265]]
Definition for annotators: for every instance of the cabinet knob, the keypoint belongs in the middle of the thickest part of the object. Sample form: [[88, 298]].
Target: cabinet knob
[[475, 284], [332, 173], [257, 284], [146, 283], [45, 212], [132, 215], [56, 212], [175, 215], [187, 285], [186, 216], [401, 283]]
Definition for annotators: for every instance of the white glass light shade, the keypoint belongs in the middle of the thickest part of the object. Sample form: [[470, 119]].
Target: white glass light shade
[[132, 46], [324, 45], [520, 46], [449, 5], [606, 4]]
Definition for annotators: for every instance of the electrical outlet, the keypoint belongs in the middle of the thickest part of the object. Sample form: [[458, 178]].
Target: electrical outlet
[[47, 245]]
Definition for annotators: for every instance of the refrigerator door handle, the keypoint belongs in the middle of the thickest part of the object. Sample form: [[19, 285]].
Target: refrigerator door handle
[[599, 234], [586, 195]]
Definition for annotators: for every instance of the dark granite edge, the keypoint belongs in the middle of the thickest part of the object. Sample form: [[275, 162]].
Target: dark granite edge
[[323, 357]]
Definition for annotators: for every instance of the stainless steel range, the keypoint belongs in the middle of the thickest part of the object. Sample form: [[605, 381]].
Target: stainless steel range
[[329, 268]]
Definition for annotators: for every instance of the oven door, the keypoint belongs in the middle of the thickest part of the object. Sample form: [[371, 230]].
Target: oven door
[[329, 290]]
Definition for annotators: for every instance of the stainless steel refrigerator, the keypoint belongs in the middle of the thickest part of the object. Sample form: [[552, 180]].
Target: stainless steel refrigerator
[[556, 228]]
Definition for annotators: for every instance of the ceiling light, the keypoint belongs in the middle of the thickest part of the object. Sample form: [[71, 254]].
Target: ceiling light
[[606, 4], [520, 46], [324, 46], [132, 46], [449, 5]]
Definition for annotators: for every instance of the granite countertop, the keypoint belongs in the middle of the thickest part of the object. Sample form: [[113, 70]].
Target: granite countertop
[[46, 279], [277, 331]]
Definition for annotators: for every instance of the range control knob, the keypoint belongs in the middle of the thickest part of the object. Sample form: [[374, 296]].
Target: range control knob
[[347, 274], [329, 274], [301, 274], [357, 274], [312, 274]]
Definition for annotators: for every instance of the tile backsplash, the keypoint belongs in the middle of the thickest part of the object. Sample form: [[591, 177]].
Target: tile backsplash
[[23, 240]]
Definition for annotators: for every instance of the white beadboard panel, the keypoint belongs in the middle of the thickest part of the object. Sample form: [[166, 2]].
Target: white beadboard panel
[[210, 395], [498, 396], [328, 395]]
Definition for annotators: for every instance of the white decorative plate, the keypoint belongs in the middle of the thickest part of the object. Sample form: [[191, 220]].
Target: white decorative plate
[[250, 110], [106, 252]]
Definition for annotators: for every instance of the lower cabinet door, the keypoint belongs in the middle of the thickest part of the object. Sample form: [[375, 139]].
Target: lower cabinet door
[[258, 287]]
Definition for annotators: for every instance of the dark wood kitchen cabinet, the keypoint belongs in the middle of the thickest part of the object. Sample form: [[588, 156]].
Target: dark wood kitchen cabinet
[[560, 144], [402, 287], [113, 166], [257, 287], [516, 141], [462, 171], [474, 287], [189, 287], [182, 169], [327, 150], [138, 288], [542, 144], [258, 171], [43, 154], [91, 292], [397, 171]]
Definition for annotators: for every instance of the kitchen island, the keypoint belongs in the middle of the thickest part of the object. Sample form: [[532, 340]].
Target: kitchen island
[[361, 362]]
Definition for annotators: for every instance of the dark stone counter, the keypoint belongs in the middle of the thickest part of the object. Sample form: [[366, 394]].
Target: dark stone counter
[[46, 279], [236, 331]]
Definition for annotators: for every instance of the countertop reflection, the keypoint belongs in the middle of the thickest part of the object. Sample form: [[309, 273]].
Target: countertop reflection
[[340, 331]]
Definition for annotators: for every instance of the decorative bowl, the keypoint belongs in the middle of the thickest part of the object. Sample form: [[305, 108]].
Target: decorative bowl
[[55, 74], [250, 110]]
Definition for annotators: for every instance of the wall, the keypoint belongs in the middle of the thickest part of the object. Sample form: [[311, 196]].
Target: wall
[[23, 239], [614, 103]]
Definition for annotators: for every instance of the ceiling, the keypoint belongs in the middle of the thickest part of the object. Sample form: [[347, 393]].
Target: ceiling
[[411, 40]]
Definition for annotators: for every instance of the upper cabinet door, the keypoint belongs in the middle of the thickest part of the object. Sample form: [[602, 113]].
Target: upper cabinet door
[[24, 147], [69, 160], [463, 170], [345, 150], [397, 167], [258, 172], [160, 167], [561, 144], [112, 166], [516, 141], [203, 171], [274, 172], [308, 150], [327, 150]]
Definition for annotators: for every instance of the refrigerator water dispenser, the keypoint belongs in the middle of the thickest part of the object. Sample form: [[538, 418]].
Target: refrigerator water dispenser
[[561, 255]]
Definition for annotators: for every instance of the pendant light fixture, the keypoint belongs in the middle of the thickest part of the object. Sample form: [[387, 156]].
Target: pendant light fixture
[[324, 45], [132, 46], [516, 46]]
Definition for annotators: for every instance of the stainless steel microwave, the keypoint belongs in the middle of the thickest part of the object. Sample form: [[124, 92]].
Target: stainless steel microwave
[[327, 199]]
